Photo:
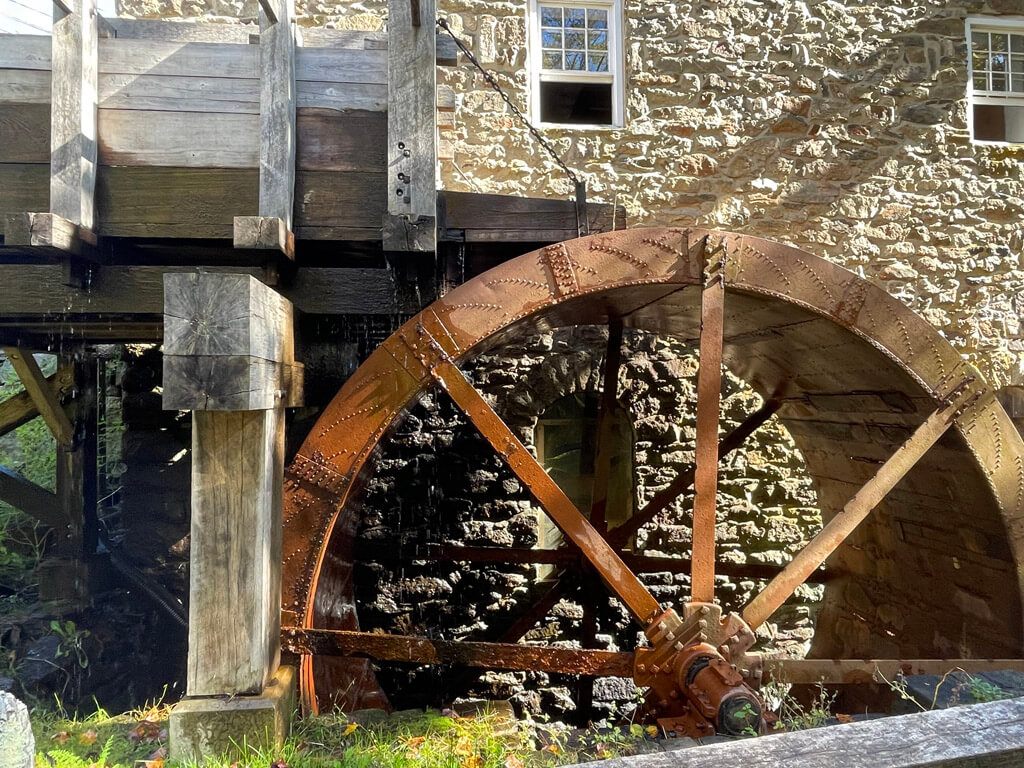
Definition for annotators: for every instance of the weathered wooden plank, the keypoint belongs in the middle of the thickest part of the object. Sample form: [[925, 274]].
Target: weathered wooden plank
[[73, 114], [46, 401], [179, 139], [987, 735], [25, 86], [25, 52], [181, 31], [322, 37], [18, 410], [229, 383], [25, 129], [30, 498], [157, 57], [37, 290], [341, 65], [335, 141], [178, 93], [411, 184], [23, 187], [174, 202], [469, 210], [277, 116], [329, 199], [237, 466], [226, 314], [339, 96]]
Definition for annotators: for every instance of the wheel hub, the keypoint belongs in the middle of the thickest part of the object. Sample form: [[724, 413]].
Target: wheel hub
[[700, 673]]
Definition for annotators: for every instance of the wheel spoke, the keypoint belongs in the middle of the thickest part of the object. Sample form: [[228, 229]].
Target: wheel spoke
[[709, 387], [658, 503], [843, 524], [420, 650], [605, 447], [534, 613], [547, 493]]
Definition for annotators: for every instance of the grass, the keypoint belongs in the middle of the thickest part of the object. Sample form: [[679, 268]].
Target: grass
[[429, 740]]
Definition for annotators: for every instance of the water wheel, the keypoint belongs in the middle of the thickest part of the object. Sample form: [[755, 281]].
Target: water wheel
[[919, 474]]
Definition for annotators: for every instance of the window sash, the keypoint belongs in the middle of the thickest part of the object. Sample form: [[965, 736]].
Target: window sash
[[996, 73], [612, 77]]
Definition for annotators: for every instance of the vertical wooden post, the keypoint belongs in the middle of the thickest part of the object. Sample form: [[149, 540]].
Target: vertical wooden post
[[235, 579], [411, 221], [75, 55], [229, 358], [67, 229], [272, 228]]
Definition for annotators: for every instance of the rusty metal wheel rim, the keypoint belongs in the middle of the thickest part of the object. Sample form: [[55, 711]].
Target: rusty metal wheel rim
[[635, 273]]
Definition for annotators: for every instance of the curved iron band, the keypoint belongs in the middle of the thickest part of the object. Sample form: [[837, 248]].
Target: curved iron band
[[542, 282]]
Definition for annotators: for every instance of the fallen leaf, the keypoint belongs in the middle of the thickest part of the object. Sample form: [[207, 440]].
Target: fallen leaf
[[157, 763], [350, 728], [514, 761], [62, 737], [473, 761], [463, 746], [844, 718], [552, 748], [652, 731], [88, 737]]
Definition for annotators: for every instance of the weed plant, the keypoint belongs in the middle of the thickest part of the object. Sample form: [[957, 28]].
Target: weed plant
[[429, 740]]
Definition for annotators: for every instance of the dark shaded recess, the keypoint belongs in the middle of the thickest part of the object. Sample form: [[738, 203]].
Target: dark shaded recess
[[589, 103]]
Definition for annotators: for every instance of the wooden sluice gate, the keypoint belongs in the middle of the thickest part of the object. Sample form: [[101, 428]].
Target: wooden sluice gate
[[206, 188]]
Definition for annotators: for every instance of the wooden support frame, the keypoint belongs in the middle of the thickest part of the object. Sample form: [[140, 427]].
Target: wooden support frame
[[218, 330], [30, 498], [273, 228], [67, 230], [44, 398], [410, 223], [20, 409]]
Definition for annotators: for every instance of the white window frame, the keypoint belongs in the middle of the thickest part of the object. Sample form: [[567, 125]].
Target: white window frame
[[615, 63], [1004, 24]]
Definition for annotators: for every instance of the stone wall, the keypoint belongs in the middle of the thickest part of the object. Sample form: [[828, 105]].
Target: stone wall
[[839, 127], [437, 481]]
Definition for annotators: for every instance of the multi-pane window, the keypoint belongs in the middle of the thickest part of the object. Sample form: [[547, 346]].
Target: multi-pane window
[[997, 82], [575, 53], [574, 39]]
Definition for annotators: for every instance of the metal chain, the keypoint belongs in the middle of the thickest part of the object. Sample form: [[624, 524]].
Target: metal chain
[[491, 81]]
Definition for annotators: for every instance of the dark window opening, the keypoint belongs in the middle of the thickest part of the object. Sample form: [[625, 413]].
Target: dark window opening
[[996, 122], [582, 103]]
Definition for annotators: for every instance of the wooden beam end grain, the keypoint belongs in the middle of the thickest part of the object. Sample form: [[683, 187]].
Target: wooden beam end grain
[[264, 233]]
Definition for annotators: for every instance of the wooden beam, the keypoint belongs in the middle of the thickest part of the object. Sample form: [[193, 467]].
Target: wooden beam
[[235, 574], [273, 228], [411, 186], [73, 139], [46, 401], [48, 233], [20, 409], [30, 499], [36, 291], [228, 344], [976, 736]]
